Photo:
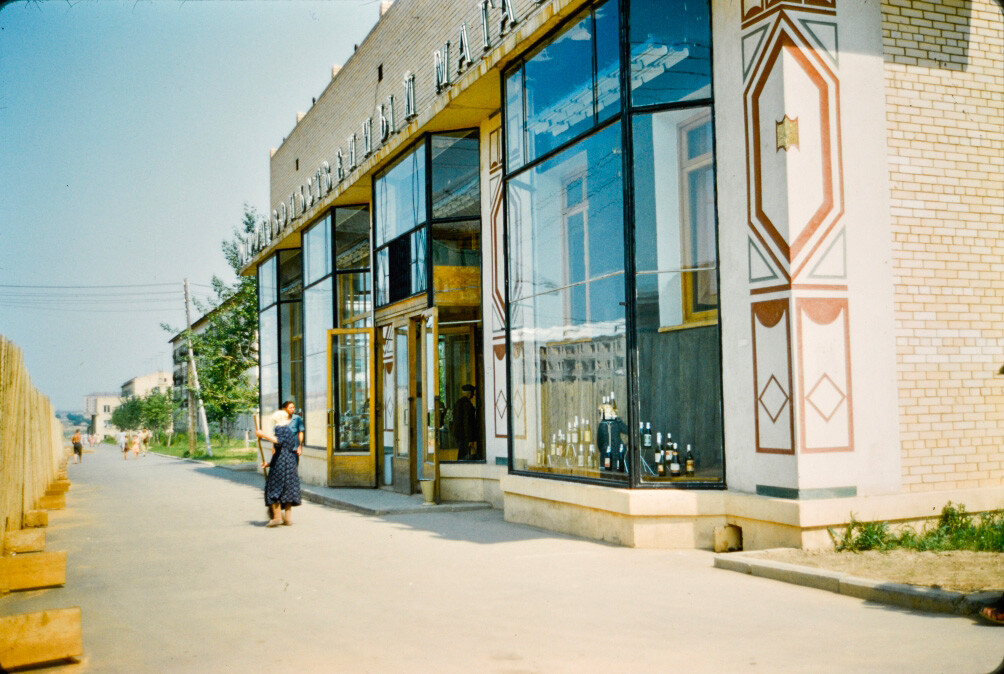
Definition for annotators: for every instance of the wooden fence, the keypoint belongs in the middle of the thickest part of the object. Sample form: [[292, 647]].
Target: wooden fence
[[33, 481], [32, 447]]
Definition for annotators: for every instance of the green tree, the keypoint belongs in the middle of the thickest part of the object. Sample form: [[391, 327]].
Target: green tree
[[227, 349], [129, 415], [157, 411]]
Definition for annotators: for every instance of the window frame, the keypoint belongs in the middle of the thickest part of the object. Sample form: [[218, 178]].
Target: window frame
[[625, 115]]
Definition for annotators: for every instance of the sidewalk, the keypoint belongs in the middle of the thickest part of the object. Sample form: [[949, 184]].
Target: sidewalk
[[174, 571], [384, 502], [359, 500]]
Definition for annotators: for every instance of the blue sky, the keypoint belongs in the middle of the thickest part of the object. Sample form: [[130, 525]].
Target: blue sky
[[131, 135]]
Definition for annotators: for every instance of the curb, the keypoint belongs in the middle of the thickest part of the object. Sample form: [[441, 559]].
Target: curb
[[912, 597], [331, 502]]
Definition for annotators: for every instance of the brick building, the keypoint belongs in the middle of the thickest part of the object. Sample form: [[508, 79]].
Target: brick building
[[702, 263]]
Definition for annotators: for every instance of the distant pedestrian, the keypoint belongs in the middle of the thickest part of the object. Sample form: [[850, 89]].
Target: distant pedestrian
[[144, 441], [282, 487], [134, 444], [123, 441], [78, 447]]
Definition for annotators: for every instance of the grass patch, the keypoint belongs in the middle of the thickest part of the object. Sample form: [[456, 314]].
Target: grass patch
[[955, 530], [225, 450]]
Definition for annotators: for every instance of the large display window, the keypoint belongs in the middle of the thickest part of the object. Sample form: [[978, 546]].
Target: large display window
[[318, 318], [567, 310], [353, 309], [290, 268], [612, 281], [427, 228], [268, 337]]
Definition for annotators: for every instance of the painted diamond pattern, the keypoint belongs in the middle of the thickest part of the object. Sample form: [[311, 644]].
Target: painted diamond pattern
[[517, 407], [500, 405], [773, 398], [826, 397]]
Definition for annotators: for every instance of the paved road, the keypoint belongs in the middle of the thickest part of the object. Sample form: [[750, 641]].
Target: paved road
[[175, 573]]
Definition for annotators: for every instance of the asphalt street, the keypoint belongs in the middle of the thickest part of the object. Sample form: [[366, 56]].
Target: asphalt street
[[174, 571]]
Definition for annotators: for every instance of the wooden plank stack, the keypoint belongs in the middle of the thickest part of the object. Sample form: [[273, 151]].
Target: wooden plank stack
[[33, 455]]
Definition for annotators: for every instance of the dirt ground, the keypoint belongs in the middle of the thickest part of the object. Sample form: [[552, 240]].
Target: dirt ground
[[958, 570]]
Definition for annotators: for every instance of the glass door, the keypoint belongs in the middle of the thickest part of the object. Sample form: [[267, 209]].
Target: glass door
[[352, 456], [431, 404]]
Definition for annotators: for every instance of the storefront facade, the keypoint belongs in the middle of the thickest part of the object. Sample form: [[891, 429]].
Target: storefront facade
[[661, 244]]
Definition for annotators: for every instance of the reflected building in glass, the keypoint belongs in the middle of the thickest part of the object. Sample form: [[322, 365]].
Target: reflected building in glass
[[619, 268]]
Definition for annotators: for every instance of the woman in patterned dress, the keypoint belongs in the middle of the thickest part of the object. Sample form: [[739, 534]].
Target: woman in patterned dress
[[282, 488]]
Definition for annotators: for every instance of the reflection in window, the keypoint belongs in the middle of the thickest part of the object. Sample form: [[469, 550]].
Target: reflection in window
[[352, 358], [290, 275], [679, 372], [266, 283], [567, 312], [352, 246], [566, 223], [564, 102], [670, 51], [456, 182], [317, 251], [291, 352], [400, 196]]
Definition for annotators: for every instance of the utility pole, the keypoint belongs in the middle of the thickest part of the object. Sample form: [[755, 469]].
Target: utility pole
[[194, 373]]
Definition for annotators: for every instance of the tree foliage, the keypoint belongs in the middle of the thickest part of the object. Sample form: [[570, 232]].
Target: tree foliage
[[129, 415], [226, 350], [155, 411]]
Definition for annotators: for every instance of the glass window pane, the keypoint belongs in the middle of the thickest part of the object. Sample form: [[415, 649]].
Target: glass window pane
[[418, 261], [574, 379], [566, 217], [400, 196], [269, 388], [679, 387], [354, 300], [268, 336], [402, 393], [674, 194], [456, 181], [568, 311], [456, 260], [515, 129], [559, 88], [679, 370], [291, 352], [315, 400], [317, 251], [352, 233], [383, 277], [266, 283], [290, 275], [318, 316], [670, 51], [608, 62], [352, 357]]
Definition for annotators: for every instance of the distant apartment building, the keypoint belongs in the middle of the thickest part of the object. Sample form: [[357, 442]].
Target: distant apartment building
[[144, 385], [99, 407]]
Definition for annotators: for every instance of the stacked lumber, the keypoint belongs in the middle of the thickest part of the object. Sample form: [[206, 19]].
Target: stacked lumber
[[33, 454]]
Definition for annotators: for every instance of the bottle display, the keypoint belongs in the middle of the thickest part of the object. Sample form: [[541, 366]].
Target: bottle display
[[689, 464], [674, 464], [660, 465]]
